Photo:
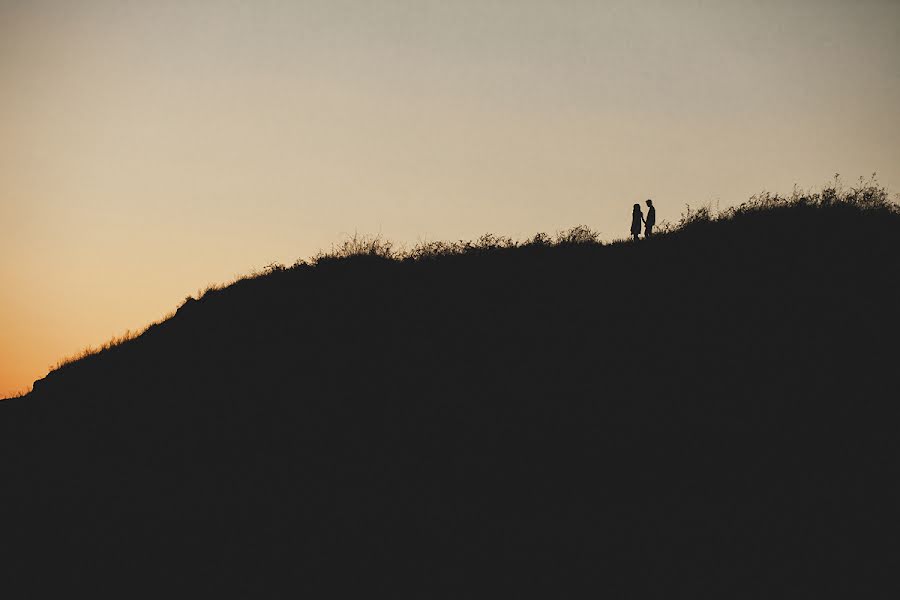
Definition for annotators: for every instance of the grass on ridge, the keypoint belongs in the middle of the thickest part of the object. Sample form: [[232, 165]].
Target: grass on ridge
[[866, 195]]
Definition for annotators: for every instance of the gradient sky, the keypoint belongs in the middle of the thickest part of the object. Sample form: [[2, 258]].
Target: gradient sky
[[151, 148]]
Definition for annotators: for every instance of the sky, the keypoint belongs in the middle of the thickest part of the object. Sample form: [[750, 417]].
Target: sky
[[149, 149]]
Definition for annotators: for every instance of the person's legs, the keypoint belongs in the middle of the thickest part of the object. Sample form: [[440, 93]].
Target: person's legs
[[649, 231]]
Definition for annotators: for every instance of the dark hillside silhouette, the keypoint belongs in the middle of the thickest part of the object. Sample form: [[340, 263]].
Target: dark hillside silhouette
[[712, 412]]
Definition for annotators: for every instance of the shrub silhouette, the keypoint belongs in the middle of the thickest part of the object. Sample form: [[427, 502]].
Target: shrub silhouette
[[711, 412]]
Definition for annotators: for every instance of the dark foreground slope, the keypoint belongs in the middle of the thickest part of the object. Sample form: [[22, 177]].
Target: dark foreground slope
[[713, 412]]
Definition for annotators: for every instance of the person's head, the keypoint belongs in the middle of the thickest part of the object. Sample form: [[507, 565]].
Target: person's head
[[649, 202], [637, 208]]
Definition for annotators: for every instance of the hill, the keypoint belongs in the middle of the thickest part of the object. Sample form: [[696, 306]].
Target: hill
[[712, 412]]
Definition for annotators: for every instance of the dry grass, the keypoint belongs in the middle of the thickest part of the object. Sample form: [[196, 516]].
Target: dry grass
[[111, 343], [867, 194], [20, 394]]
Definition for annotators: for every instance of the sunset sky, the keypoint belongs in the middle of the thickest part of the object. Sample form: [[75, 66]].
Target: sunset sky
[[152, 148]]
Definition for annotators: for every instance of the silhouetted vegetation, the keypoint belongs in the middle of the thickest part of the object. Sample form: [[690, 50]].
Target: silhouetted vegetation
[[708, 413]]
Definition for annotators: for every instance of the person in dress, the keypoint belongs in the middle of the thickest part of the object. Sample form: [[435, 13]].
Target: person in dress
[[637, 219]]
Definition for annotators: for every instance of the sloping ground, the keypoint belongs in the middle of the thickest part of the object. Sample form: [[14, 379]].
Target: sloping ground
[[712, 412]]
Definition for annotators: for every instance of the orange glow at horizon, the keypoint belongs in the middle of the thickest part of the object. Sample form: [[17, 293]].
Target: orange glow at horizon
[[151, 149]]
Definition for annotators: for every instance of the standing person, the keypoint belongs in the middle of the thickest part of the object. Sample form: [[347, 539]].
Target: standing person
[[636, 219], [651, 219]]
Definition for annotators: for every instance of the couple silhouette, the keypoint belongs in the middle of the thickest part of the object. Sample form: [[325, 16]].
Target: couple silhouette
[[637, 217]]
